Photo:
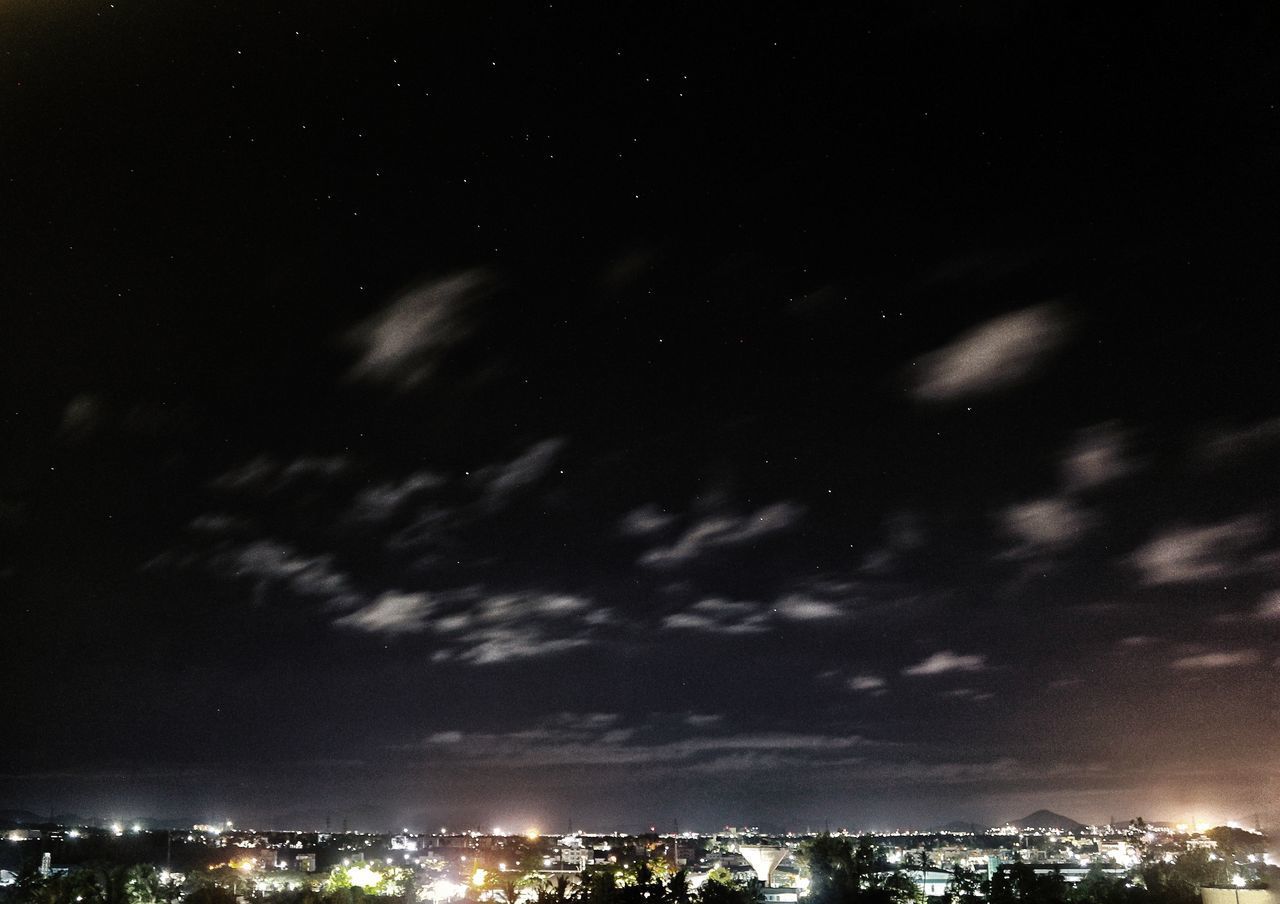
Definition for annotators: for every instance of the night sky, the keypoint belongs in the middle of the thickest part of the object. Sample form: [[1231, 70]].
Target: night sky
[[608, 414]]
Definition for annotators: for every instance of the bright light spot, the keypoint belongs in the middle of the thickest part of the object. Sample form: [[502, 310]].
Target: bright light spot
[[531, 834], [117, 829], [363, 876], [478, 877], [246, 866], [1238, 881], [136, 827], [74, 833]]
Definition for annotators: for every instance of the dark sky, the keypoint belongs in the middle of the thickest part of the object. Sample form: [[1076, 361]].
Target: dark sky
[[615, 413]]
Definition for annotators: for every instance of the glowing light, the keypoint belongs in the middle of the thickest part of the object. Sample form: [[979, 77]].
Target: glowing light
[[364, 877], [246, 866], [117, 829], [478, 877], [531, 834], [1238, 881], [74, 833]]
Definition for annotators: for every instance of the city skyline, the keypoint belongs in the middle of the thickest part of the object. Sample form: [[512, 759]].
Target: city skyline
[[447, 415]]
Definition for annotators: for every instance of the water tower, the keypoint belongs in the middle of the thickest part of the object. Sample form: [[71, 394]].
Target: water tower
[[763, 859]]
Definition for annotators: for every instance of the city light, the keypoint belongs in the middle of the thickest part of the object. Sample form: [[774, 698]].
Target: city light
[[363, 876], [479, 876]]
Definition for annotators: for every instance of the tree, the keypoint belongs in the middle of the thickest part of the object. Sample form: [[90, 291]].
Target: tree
[[210, 894], [834, 872], [142, 884], [963, 887], [677, 890]]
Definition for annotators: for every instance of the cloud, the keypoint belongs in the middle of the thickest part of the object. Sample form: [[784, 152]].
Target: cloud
[[314, 466], [720, 616], [1138, 640], [798, 607], [381, 502], [498, 628], [1217, 660], [946, 661], [1270, 605], [501, 481], [217, 523], [1232, 441], [254, 473], [266, 473], [722, 530], [574, 741], [83, 415], [647, 519], [1044, 525], [967, 693], [1190, 554], [703, 720], [999, 353], [1096, 457], [269, 559], [866, 683], [499, 645], [404, 343], [391, 613]]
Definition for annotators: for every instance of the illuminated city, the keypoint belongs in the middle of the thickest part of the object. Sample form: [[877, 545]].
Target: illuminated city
[[561, 452]]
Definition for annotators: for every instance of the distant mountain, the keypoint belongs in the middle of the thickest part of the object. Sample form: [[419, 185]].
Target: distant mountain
[[21, 818], [1047, 819], [959, 825]]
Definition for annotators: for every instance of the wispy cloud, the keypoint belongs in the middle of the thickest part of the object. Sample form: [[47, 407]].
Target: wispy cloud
[[473, 626], [382, 501], [645, 520], [720, 616], [703, 720], [1044, 525], [267, 474], [559, 741], [1231, 441], [1190, 554], [307, 575], [1270, 606], [1096, 457], [723, 530], [867, 683], [967, 693], [254, 473], [1222, 659], [501, 481], [945, 661], [404, 343], [723, 616], [801, 607], [391, 613], [83, 416], [999, 353]]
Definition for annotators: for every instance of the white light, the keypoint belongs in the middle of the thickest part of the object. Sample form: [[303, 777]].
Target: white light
[[1238, 881]]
